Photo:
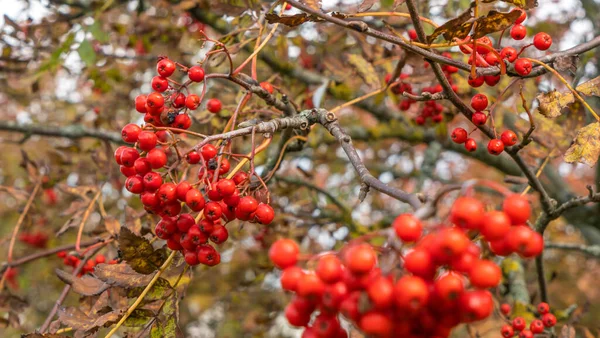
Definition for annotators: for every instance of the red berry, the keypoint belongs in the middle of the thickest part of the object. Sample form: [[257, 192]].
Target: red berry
[[507, 331], [448, 287], [284, 253], [178, 100], [264, 214], [411, 293], [470, 145], [542, 41], [208, 151], [495, 146], [128, 156], [160, 84], [518, 238], [376, 324], [147, 140], [523, 66], [526, 334], [491, 80], [521, 17], [290, 277], [196, 74], [192, 101], [381, 292], [165, 67], [412, 34], [296, 317], [154, 101], [181, 190], [360, 259], [152, 181], [517, 208], [219, 234], [140, 104], [509, 138], [459, 135], [467, 212], [212, 211], [134, 184], [509, 54], [310, 286], [420, 263], [207, 255], [329, 269], [476, 82], [130, 133], [182, 121], [129, 171], [536, 326], [549, 320], [192, 157], [505, 309], [226, 187], [478, 118], [407, 227], [475, 305], [213, 106], [518, 32], [157, 158], [496, 225], [485, 274], [543, 308], [479, 102], [240, 177], [267, 86]]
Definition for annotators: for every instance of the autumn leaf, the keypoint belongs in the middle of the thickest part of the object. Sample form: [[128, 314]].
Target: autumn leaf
[[290, 20], [552, 103], [139, 317], [365, 70], [586, 146], [525, 4], [314, 4], [78, 320], [84, 285], [112, 225], [121, 275], [494, 22], [366, 5], [160, 290], [458, 27], [139, 253]]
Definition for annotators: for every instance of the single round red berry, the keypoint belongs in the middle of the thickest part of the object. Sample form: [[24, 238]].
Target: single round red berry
[[543, 308], [165, 67], [329, 269], [157, 158], [194, 200], [470, 145], [521, 17], [478, 118], [523, 66], [178, 100], [208, 151], [160, 84], [128, 156], [140, 104], [479, 102], [485, 274], [213, 105], [360, 259], [507, 331], [467, 212], [459, 135], [412, 34], [147, 140], [196, 73], [264, 214], [505, 309], [192, 101], [509, 138], [407, 227], [284, 253], [549, 320], [134, 184], [411, 293], [518, 32], [154, 101], [495, 146], [509, 54], [536, 326], [542, 41], [130, 133], [517, 208]]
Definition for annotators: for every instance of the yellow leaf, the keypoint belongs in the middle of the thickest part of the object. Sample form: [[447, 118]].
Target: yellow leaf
[[494, 22], [365, 70], [586, 146], [553, 102]]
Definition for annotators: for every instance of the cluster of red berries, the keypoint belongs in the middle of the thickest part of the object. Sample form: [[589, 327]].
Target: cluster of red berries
[[518, 326], [11, 277], [228, 194], [73, 261], [168, 106], [444, 281], [508, 138], [36, 239]]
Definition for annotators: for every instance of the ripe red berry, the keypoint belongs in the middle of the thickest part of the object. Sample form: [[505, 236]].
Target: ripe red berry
[[157, 158], [505, 309], [207, 255], [208, 151], [130, 133], [536, 326], [420, 120], [470, 145], [476, 82], [381, 292], [264, 214], [329, 269], [542, 41], [128, 156], [178, 100], [290, 277], [147, 140], [549, 320], [240, 177], [296, 317], [479, 102], [518, 32], [523, 66], [475, 305], [213, 105], [196, 73], [420, 263], [495, 146], [543, 308], [448, 287], [160, 84], [192, 157], [181, 190], [192, 101], [284, 253], [134, 184], [219, 234], [526, 334], [412, 34], [496, 225], [509, 54], [491, 80], [360, 259], [411, 293], [517, 208], [376, 324], [154, 101], [478, 118], [310, 286], [152, 181], [140, 104], [165, 67], [519, 238], [485, 274], [507, 331], [467, 212], [407, 227], [212, 211], [129, 171], [509, 138], [267, 86], [459, 135]]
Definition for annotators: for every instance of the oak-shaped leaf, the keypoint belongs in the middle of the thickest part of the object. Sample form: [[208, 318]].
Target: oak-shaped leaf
[[85, 285], [121, 275], [365, 70], [493, 22], [290, 20], [78, 320], [552, 103], [458, 27], [586, 145], [139, 253], [160, 290]]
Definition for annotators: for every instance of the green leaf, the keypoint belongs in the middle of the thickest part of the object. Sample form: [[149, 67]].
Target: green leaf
[[87, 53], [139, 253], [159, 290], [98, 33]]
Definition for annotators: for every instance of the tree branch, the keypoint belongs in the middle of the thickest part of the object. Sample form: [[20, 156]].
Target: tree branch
[[71, 131], [590, 250]]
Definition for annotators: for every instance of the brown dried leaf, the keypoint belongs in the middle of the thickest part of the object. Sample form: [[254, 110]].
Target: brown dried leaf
[[112, 225], [78, 320], [121, 275], [314, 4], [552, 103], [494, 22], [139, 253], [160, 290], [366, 5], [458, 27], [290, 20], [586, 145], [86, 285], [566, 62], [365, 70]]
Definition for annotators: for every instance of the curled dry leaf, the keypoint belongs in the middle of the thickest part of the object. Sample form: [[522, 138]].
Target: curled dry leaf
[[552, 103], [458, 27], [586, 145], [121, 275], [84, 285], [139, 253], [494, 22], [78, 320]]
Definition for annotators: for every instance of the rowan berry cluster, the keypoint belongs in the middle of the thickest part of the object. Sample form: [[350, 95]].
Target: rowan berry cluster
[[35, 239], [486, 55], [444, 278], [518, 326], [216, 193], [74, 261]]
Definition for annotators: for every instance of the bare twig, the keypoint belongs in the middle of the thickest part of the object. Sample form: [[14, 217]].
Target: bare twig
[[71, 131], [590, 250]]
